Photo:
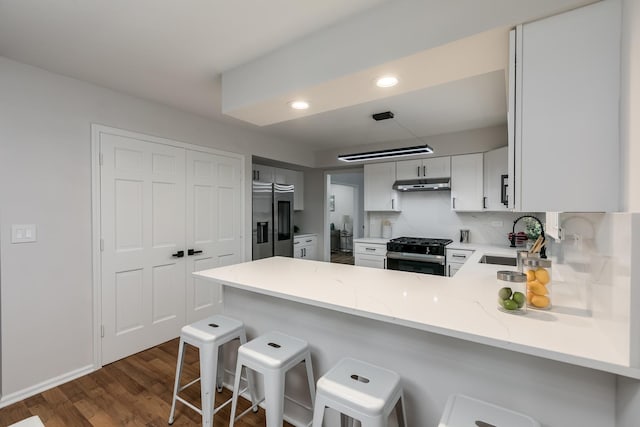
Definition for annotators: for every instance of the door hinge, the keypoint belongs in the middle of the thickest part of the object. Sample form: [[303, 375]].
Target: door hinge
[[101, 245], [101, 331], [101, 159]]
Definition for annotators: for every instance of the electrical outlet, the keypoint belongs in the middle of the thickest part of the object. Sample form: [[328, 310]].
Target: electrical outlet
[[497, 224], [23, 233]]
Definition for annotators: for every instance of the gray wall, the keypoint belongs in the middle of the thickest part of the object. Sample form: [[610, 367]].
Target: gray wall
[[45, 179]]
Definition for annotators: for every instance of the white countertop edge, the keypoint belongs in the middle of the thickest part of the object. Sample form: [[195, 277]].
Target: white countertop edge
[[625, 371]]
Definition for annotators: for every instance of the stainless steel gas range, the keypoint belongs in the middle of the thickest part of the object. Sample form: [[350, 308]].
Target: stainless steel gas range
[[417, 254]]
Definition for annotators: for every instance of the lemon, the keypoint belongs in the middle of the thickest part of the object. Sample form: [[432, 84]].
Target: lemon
[[504, 293], [537, 288], [541, 275], [531, 275], [540, 301]]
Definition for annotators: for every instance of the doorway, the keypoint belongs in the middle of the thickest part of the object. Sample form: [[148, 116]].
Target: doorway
[[345, 217]]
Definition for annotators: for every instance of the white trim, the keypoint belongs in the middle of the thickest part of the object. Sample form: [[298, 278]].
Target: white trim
[[45, 385], [96, 131]]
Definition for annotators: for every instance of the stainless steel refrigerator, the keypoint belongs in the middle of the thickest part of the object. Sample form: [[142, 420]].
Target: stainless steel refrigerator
[[272, 223]]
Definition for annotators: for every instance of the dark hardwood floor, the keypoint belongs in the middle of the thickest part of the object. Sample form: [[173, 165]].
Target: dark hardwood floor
[[135, 391], [342, 257]]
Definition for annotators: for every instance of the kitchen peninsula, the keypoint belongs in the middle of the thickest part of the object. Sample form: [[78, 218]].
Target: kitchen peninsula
[[442, 335]]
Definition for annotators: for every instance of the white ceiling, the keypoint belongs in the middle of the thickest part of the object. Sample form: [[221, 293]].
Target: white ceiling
[[174, 52], [470, 103], [165, 50]]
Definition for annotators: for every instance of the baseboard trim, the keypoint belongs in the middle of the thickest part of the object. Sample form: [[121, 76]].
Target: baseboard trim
[[45, 385]]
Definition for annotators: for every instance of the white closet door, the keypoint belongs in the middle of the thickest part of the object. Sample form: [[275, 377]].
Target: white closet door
[[142, 226], [213, 226]]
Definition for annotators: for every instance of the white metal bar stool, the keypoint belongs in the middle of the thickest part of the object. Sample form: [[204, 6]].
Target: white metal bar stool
[[462, 411], [272, 355], [360, 391], [208, 335]]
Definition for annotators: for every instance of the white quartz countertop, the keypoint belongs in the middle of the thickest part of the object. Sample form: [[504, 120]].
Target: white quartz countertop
[[463, 306]]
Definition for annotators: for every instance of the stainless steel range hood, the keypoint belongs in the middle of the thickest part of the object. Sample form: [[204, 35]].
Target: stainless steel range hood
[[429, 184]]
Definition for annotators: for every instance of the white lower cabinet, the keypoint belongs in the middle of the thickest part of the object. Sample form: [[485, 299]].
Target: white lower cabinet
[[305, 246], [372, 255], [455, 259]]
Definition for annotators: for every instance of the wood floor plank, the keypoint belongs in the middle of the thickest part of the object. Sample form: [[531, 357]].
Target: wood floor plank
[[132, 392]]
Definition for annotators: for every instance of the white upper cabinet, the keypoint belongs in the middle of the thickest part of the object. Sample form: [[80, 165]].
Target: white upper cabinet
[[438, 167], [378, 192], [282, 176], [564, 112], [263, 173], [495, 179], [466, 182], [295, 178]]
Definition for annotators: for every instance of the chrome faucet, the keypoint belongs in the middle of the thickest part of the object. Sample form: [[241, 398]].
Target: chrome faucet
[[543, 250]]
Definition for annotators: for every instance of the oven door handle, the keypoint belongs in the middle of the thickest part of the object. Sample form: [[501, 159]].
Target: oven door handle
[[437, 259]]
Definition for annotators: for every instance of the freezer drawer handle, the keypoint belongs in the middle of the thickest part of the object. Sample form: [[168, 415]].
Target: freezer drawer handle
[[178, 254]]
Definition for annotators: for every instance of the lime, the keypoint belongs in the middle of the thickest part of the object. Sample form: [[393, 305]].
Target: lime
[[504, 293], [519, 298], [509, 304]]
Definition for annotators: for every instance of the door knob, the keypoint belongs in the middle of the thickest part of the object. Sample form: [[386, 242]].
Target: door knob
[[193, 252], [178, 254]]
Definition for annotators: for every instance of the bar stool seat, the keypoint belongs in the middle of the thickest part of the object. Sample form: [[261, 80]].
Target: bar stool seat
[[272, 355], [360, 391], [462, 411], [208, 335]]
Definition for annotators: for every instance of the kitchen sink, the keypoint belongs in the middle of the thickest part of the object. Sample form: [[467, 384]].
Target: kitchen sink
[[498, 260]]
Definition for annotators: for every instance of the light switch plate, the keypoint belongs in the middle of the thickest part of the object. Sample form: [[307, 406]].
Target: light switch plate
[[23, 233]]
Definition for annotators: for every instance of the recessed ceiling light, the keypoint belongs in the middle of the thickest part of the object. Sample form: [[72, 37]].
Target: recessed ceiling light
[[299, 105], [387, 81]]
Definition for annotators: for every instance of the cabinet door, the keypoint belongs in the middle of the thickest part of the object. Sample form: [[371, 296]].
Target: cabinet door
[[295, 178], [263, 173], [298, 194], [495, 166], [378, 192], [567, 117], [297, 249], [452, 269], [439, 167], [371, 261], [409, 169], [466, 182]]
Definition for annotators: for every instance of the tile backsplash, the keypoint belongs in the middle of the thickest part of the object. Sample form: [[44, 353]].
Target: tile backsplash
[[429, 214]]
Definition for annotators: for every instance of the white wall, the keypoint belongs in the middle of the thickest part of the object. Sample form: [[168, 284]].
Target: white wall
[[45, 166], [343, 197]]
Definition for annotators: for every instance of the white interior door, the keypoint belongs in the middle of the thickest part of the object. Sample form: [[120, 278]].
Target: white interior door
[[142, 226], [213, 226]]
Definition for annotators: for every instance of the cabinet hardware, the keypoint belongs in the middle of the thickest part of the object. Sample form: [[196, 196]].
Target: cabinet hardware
[[193, 252], [453, 201], [424, 170], [458, 256], [484, 202], [418, 171], [449, 274], [309, 241], [392, 204], [178, 254], [370, 249], [384, 263]]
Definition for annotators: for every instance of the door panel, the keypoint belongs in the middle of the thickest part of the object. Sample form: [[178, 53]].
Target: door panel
[[213, 225], [142, 225]]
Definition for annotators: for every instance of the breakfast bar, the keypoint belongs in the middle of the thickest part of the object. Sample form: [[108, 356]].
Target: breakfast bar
[[442, 335]]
